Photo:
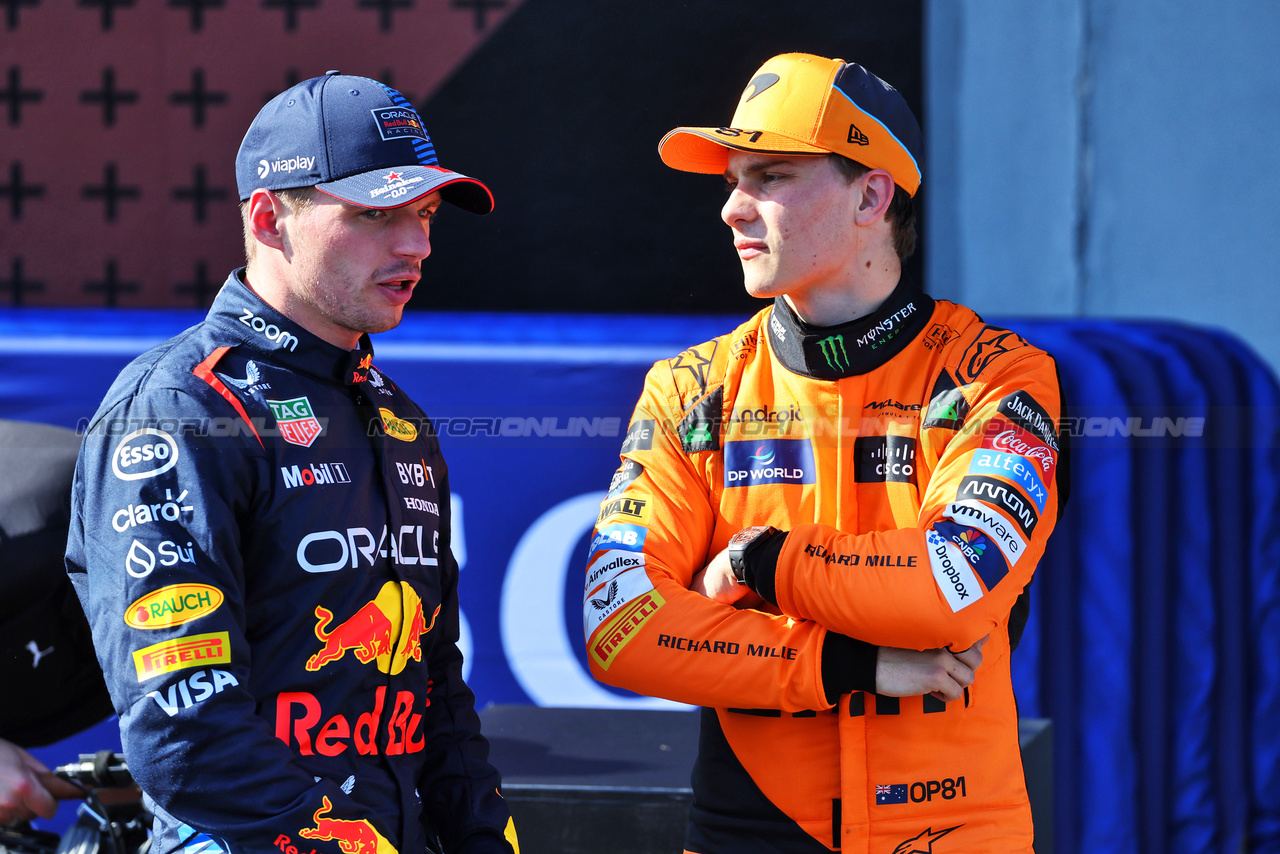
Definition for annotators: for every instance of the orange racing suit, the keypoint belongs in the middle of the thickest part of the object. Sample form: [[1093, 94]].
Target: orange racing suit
[[912, 455]]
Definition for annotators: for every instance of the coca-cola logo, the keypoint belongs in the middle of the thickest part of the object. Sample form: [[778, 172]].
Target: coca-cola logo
[[1012, 439], [1009, 441]]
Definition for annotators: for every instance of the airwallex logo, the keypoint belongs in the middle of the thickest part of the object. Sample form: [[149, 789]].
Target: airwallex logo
[[764, 461]]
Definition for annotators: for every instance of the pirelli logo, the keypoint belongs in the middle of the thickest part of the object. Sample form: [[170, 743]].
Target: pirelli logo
[[623, 626], [181, 653]]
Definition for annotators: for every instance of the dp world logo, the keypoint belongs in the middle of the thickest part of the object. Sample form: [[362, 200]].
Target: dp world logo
[[833, 351], [768, 461]]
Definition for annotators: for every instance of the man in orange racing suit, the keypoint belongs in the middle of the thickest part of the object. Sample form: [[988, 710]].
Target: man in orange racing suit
[[882, 467]]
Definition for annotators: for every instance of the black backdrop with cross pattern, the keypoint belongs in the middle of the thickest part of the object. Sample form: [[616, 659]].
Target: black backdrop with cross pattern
[[119, 122]]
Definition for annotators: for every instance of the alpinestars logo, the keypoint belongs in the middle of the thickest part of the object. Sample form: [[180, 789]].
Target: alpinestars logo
[[695, 363], [922, 843], [833, 351], [990, 344]]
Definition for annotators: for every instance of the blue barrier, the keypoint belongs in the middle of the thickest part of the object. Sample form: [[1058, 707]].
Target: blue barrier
[[1155, 627]]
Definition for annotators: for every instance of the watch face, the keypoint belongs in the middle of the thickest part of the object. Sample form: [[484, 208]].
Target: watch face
[[746, 535]]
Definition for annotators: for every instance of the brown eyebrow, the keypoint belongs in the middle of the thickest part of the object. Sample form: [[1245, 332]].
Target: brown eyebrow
[[757, 168]]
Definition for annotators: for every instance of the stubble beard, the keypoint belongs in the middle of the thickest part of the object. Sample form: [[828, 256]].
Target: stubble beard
[[344, 309]]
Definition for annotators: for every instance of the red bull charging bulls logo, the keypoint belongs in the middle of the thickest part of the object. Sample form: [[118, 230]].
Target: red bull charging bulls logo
[[353, 837], [374, 632]]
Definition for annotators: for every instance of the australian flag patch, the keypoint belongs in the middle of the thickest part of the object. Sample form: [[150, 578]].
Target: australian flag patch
[[891, 794]]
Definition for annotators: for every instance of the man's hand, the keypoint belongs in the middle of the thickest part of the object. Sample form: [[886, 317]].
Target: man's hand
[[939, 672], [22, 797], [716, 581]]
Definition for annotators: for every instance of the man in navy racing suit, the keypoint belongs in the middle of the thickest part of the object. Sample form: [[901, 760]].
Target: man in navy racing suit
[[260, 526]]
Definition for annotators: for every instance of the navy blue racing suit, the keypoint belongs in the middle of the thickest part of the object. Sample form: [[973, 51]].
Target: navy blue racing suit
[[260, 538]]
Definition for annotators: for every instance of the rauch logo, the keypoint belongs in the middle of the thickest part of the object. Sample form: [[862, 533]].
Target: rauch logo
[[173, 606]]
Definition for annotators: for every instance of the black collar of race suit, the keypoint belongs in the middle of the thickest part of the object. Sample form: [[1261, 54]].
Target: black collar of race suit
[[244, 314], [854, 348]]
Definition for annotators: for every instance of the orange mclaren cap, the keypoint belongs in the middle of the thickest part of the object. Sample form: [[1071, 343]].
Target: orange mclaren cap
[[798, 103]]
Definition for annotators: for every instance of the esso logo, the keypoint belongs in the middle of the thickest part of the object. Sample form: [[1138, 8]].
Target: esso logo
[[144, 453]]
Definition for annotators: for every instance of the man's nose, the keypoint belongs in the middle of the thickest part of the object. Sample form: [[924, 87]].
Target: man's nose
[[739, 207], [413, 237]]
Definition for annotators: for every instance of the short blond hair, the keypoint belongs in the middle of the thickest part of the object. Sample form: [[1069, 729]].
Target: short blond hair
[[296, 199]]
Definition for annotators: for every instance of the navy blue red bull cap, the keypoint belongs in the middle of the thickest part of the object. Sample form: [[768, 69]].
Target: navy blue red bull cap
[[352, 138]]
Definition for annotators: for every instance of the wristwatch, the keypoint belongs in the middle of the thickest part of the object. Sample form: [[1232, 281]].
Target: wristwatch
[[743, 543]]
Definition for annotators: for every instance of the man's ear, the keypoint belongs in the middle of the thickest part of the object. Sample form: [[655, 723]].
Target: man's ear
[[266, 210], [877, 193]]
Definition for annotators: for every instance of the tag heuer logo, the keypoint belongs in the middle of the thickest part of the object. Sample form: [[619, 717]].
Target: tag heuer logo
[[296, 420]]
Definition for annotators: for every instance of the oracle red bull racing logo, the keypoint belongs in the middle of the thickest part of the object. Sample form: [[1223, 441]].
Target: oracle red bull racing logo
[[352, 836], [386, 630]]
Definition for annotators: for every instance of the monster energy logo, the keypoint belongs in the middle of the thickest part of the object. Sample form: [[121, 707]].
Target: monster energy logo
[[833, 351]]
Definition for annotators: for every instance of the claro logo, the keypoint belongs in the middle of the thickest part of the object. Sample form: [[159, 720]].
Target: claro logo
[[144, 453]]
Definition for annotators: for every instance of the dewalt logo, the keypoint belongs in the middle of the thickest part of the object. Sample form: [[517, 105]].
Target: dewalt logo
[[631, 509]]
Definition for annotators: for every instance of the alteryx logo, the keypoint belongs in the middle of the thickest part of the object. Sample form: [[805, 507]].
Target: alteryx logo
[[768, 461]]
